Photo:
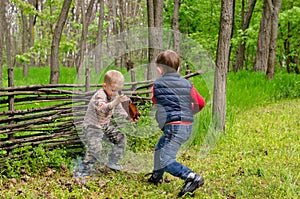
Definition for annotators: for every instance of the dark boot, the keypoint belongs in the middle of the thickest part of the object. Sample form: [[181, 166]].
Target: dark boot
[[156, 177], [192, 182]]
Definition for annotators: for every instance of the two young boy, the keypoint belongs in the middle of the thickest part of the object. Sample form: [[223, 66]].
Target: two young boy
[[176, 101]]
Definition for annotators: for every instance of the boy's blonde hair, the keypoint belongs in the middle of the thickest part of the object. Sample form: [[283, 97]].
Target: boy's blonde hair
[[114, 77]]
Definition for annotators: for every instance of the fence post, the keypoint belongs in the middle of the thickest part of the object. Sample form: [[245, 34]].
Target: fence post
[[11, 99], [133, 79], [87, 78]]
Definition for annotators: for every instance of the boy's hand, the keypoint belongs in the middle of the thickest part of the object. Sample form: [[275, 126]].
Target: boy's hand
[[117, 100], [122, 98]]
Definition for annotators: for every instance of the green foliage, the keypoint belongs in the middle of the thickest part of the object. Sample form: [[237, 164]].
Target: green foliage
[[288, 30], [142, 136], [35, 162], [24, 58]]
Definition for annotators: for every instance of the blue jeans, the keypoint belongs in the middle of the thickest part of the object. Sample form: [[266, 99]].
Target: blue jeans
[[167, 148]]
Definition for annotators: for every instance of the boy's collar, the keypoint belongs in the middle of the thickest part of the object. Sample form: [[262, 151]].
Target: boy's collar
[[171, 74], [106, 94]]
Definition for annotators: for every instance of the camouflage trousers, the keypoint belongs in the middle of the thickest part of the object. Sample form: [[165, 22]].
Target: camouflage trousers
[[94, 137]]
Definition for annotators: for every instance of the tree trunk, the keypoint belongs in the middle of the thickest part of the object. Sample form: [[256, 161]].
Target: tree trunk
[[24, 41], [10, 64], [8, 47], [99, 38], [86, 19], [287, 49], [155, 17], [32, 21], [292, 61], [151, 50], [273, 38], [219, 98], [175, 25], [296, 61], [240, 55], [263, 43], [2, 33], [123, 27], [54, 64], [232, 27]]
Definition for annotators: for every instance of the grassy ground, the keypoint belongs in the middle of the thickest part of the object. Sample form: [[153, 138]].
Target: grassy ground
[[257, 158]]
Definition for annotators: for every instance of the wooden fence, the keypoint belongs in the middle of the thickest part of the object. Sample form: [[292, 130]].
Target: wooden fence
[[51, 115]]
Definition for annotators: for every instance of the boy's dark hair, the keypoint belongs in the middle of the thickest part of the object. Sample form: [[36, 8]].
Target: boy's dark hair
[[169, 60]]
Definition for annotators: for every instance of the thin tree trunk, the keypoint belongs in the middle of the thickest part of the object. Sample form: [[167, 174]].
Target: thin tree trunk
[[10, 70], [32, 21], [273, 38], [175, 25], [240, 56], [155, 17], [287, 49], [151, 50], [123, 26], [86, 19], [232, 27], [54, 76], [219, 98], [99, 37], [2, 33], [296, 61], [263, 43], [24, 41]]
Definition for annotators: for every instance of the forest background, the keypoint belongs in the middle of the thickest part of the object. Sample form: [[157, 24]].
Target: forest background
[[30, 30]]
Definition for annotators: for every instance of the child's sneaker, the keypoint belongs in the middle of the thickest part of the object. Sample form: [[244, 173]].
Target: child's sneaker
[[84, 170], [192, 182], [114, 166]]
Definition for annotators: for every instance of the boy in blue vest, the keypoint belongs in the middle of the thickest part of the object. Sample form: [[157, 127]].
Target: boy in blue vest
[[176, 102]]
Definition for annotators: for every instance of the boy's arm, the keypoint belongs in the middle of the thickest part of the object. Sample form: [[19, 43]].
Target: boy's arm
[[153, 99], [100, 104], [198, 101]]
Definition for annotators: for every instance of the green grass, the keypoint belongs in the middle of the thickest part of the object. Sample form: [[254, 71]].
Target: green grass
[[257, 158], [39, 75], [248, 89]]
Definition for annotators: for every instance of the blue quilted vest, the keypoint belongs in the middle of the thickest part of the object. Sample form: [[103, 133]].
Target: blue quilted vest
[[173, 100]]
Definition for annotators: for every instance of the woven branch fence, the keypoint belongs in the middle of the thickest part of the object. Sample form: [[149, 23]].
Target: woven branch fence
[[51, 115]]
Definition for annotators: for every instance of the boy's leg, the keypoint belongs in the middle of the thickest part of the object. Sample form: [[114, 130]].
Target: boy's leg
[[180, 133], [114, 135], [158, 171], [93, 142], [175, 136]]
